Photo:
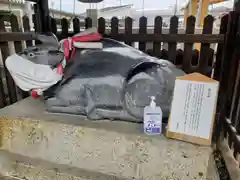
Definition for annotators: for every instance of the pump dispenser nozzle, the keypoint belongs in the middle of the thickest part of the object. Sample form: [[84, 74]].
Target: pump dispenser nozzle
[[153, 104]]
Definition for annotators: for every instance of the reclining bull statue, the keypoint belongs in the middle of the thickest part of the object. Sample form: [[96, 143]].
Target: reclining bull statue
[[97, 77]]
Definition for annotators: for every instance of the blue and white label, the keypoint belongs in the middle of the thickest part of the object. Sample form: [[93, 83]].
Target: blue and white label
[[152, 120]]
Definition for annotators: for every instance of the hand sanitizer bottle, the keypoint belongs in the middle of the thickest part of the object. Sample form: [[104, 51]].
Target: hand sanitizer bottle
[[152, 118]]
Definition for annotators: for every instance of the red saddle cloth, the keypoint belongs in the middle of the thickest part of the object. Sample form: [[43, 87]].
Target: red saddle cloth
[[69, 49]]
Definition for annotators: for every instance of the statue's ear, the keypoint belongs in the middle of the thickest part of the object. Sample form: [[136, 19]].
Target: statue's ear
[[48, 40]]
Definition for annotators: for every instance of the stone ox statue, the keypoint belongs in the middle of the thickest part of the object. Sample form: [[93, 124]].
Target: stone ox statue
[[93, 76]]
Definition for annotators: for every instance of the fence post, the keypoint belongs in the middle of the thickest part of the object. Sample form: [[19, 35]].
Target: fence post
[[2, 94], [187, 57], [226, 68], [11, 88], [101, 25], [219, 54], [44, 14], [172, 46], [64, 23], [235, 109], [26, 27], [128, 29], [157, 30], [234, 68], [53, 26], [114, 26], [37, 19], [143, 31], [205, 47], [41, 17], [76, 25], [18, 48], [88, 22]]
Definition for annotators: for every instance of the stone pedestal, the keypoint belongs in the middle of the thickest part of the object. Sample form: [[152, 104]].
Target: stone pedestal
[[39, 145]]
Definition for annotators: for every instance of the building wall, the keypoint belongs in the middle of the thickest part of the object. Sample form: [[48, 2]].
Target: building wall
[[151, 20], [4, 6], [59, 15], [119, 13]]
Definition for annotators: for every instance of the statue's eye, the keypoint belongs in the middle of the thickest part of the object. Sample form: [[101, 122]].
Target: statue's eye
[[31, 55]]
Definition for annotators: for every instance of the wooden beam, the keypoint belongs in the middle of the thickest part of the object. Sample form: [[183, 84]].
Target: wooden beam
[[17, 36], [187, 38]]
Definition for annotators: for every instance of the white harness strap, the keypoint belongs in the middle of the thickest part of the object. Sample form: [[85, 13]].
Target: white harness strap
[[30, 76]]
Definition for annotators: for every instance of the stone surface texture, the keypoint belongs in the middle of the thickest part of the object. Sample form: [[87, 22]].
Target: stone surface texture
[[106, 149]]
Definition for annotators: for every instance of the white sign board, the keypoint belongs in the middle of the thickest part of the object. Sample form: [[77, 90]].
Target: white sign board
[[193, 109]]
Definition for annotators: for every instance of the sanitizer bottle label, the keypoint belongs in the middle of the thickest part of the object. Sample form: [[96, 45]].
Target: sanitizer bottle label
[[152, 118], [152, 124]]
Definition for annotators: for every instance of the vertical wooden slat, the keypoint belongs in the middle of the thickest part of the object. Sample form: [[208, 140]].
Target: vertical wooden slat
[[210, 57], [128, 29], [15, 28], [157, 30], [204, 51], [237, 118], [64, 23], [101, 25], [195, 57], [88, 22], [2, 94], [76, 25], [210, 62], [230, 140], [114, 26], [179, 58], [188, 47], [226, 68], [233, 76], [44, 14], [142, 30], [5, 53], [18, 48], [37, 19], [164, 54], [26, 27], [53, 25], [150, 52], [34, 22], [219, 54], [172, 47], [236, 100], [236, 151], [233, 99]]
